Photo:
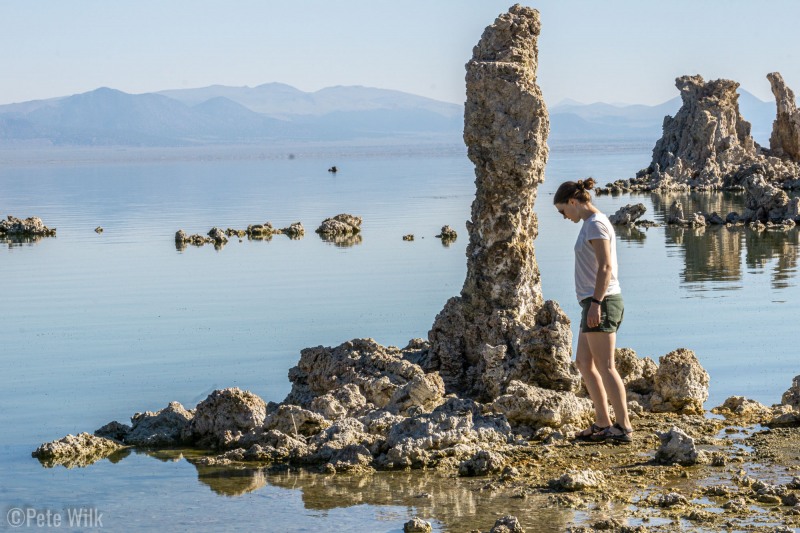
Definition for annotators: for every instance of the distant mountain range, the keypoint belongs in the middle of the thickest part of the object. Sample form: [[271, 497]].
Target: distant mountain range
[[277, 112]]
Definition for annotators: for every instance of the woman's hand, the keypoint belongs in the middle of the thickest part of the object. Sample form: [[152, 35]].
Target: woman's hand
[[593, 316]]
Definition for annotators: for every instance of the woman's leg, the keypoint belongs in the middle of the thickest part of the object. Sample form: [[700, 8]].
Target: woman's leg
[[593, 381], [601, 346]]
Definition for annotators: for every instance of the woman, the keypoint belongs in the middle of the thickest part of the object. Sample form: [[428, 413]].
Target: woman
[[599, 293]]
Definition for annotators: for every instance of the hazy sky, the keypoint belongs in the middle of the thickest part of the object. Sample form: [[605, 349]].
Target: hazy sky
[[612, 51]]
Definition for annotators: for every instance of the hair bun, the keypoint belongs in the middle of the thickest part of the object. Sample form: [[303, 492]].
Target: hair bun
[[588, 184], [580, 185]]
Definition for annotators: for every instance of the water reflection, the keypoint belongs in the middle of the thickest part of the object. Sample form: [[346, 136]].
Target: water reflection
[[342, 241], [716, 254], [19, 239]]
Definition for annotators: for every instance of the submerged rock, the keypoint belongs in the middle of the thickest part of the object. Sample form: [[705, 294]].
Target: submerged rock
[[218, 236], [31, 226], [500, 328], [627, 214], [75, 450], [417, 525], [342, 224]]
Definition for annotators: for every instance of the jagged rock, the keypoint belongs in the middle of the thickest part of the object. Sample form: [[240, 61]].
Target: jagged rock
[[764, 202], [743, 408], [676, 447], [294, 420], [483, 463], [424, 392], [32, 226], [637, 374], [457, 426], [680, 384], [447, 234], [676, 215], [260, 231], [232, 411], [378, 372], [162, 428], [714, 218], [114, 431], [507, 524], [792, 396], [627, 214], [218, 236], [577, 480], [785, 138], [340, 403], [269, 446], [707, 144], [696, 219], [534, 407], [500, 328], [671, 499], [417, 525], [294, 231], [342, 224], [75, 450]]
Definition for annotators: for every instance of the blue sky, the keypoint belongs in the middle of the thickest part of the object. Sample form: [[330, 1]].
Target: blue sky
[[613, 51]]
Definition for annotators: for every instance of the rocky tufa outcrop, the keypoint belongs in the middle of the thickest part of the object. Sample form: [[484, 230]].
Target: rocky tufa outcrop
[[708, 144], [785, 139], [676, 447], [500, 329], [75, 450], [342, 224], [29, 227]]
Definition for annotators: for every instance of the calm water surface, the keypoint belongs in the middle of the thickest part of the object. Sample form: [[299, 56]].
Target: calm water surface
[[96, 327]]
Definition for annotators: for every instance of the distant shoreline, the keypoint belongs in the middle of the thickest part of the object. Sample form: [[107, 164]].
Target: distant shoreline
[[30, 154]]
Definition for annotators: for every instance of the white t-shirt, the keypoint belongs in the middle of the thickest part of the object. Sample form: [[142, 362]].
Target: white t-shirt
[[596, 226]]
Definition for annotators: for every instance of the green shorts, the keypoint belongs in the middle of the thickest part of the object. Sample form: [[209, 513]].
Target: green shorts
[[612, 310]]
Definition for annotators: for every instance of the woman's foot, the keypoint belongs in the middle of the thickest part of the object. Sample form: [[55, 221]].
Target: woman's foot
[[615, 433], [591, 431]]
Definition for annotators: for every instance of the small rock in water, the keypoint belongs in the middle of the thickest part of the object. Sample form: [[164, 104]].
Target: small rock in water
[[98, 229], [417, 525], [409, 237]]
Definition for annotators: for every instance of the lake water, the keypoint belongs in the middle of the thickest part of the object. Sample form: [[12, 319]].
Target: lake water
[[99, 326]]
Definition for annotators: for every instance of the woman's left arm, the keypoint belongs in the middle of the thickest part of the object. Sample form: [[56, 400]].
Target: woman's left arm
[[602, 251]]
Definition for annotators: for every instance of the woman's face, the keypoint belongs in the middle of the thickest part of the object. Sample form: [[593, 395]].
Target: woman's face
[[569, 210]]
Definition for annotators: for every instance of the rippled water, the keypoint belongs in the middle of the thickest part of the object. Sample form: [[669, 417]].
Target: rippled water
[[99, 326]]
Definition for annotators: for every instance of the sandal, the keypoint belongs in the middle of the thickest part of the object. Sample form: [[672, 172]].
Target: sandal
[[623, 437], [593, 430]]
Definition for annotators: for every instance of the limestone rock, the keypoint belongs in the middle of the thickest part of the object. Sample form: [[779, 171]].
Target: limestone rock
[[680, 384], [637, 374], [162, 428], [378, 371], [457, 425], [627, 214], [75, 450], [114, 431], [424, 392], [483, 463], [294, 231], [507, 524], [792, 396], [743, 408], [785, 138], [417, 525], [340, 403], [228, 410], [342, 224], [294, 420], [32, 226], [447, 234], [577, 480], [676, 215], [707, 144], [260, 231], [535, 407], [218, 236], [764, 202], [500, 328], [676, 447]]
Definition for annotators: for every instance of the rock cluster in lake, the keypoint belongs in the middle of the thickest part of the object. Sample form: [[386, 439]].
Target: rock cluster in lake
[[708, 145], [30, 228]]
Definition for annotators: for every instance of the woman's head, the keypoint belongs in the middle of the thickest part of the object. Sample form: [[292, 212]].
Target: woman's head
[[572, 199], [579, 190]]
